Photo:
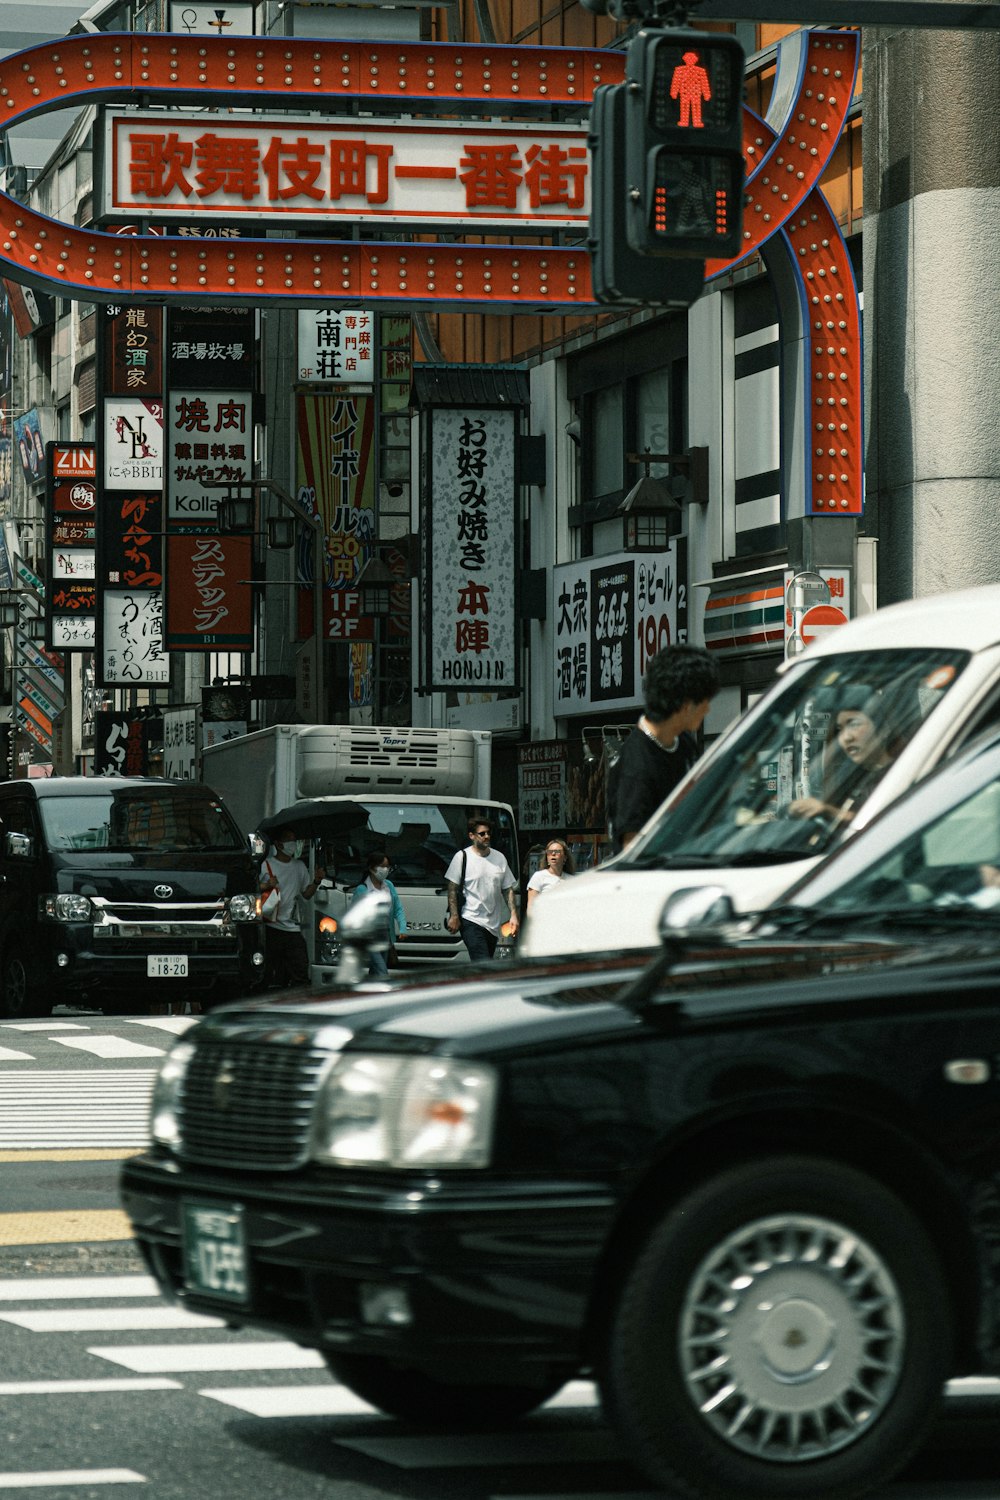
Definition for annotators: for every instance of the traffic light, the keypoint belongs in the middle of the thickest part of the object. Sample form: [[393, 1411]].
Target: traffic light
[[618, 274], [684, 127]]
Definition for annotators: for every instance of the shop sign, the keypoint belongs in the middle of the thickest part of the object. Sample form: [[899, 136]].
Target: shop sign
[[526, 175], [133, 443], [541, 784], [336, 346], [211, 442], [132, 647], [210, 598], [611, 614], [470, 615], [180, 730]]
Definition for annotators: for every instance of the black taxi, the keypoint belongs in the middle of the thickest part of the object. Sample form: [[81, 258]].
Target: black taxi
[[751, 1188]]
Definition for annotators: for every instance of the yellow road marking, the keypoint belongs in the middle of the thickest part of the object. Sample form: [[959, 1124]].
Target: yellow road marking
[[76, 1154], [71, 1225]]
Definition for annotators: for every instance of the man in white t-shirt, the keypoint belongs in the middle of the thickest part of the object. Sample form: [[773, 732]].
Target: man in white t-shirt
[[487, 884], [284, 871]]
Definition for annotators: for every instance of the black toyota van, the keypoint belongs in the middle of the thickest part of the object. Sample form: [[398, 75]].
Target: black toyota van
[[118, 890]]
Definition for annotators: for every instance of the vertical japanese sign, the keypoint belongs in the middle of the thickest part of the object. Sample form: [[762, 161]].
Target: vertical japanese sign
[[611, 615], [129, 541], [121, 745], [210, 374], [210, 600], [180, 742], [71, 525], [133, 351], [336, 346], [470, 605], [335, 479]]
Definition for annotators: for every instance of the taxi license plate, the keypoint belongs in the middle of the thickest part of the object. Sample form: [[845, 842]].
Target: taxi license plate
[[215, 1258], [166, 966]]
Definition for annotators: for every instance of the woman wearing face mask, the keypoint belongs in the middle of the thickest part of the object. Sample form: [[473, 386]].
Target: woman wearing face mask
[[557, 864], [377, 865], [284, 871]]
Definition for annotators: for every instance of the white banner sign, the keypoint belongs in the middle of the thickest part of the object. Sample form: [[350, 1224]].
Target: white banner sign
[[196, 19], [337, 346], [471, 624], [133, 444], [211, 439], [180, 742], [517, 175], [611, 614], [133, 653]]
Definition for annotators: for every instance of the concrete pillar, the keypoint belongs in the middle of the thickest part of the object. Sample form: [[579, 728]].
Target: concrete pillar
[[932, 309]]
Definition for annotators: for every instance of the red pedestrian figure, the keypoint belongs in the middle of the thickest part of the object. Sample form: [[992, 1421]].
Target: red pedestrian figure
[[690, 83]]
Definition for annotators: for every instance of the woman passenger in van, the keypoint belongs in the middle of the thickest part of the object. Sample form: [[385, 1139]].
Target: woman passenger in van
[[865, 739]]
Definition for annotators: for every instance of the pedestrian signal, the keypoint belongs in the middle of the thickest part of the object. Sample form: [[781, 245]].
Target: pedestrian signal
[[684, 127], [618, 274]]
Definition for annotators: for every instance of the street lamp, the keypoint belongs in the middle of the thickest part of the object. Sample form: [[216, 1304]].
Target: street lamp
[[375, 584]]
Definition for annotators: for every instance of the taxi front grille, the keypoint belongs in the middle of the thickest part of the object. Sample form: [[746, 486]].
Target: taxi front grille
[[250, 1105]]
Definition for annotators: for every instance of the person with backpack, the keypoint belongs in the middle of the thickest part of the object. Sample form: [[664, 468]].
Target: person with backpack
[[480, 882]]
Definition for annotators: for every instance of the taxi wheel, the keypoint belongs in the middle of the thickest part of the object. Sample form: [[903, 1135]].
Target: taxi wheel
[[18, 993], [425, 1402], [785, 1329]]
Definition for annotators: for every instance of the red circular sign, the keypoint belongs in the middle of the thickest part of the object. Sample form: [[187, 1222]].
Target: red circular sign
[[818, 620]]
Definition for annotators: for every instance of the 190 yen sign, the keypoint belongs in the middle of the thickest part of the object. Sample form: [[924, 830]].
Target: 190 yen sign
[[660, 605]]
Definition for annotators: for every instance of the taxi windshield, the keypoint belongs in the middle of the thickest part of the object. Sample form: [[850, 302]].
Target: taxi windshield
[[796, 777]]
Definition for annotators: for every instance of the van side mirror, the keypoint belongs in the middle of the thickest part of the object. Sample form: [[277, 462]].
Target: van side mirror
[[258, 845], [696, 907], [20, 846]]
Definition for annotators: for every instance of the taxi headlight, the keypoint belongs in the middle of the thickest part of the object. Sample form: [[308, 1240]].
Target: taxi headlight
[[383, 1111], [66, 908], [243, 908], [164, 1126]]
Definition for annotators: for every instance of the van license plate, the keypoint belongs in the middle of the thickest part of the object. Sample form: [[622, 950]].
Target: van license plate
[[215, 1260], [166, 966]]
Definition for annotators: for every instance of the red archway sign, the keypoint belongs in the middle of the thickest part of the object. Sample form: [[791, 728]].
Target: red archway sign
[[255, 72]]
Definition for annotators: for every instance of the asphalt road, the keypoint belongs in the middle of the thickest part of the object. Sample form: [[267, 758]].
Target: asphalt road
[[104, 1386]]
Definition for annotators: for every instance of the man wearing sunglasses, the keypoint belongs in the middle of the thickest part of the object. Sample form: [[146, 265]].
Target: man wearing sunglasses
[[480, 886]]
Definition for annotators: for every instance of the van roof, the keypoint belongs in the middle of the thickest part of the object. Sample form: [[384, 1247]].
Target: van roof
[[98, 786], [967, 620]]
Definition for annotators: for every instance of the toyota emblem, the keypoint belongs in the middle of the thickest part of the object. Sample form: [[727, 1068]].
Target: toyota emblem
[[163, 892]]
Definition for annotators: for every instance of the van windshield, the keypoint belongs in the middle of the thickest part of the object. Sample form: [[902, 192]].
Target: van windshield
[[133, 820], [795, 778], [419, 838]]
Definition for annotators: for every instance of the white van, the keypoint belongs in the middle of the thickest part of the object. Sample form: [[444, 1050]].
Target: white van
[[846, 728]]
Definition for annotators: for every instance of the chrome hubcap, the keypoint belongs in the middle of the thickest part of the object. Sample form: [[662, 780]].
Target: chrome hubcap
[[792, 1337]]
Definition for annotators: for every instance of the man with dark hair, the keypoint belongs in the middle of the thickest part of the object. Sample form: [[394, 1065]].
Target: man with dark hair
[[480, 881], [678, 687]]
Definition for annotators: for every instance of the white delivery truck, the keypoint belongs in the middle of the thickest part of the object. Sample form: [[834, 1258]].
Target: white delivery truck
[[407, 791], [846, 729]]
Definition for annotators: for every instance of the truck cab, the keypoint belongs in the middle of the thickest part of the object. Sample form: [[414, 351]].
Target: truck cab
[[413, 790], [420, 838]]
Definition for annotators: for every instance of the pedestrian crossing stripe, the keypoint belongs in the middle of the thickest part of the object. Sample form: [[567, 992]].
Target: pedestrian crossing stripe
[[54, 1288], [107, 1319], [98, 1107], [60, 1478]]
